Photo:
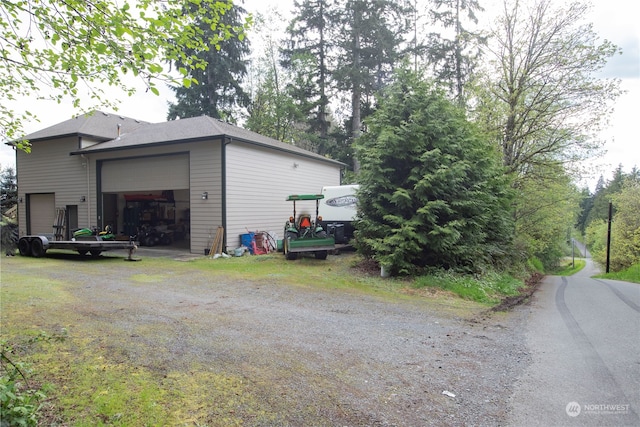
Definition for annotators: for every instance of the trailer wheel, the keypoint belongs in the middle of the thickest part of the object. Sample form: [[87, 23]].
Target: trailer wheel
[[24, 247], [82, 252], [95, 253], [37, 248], [321, 254]]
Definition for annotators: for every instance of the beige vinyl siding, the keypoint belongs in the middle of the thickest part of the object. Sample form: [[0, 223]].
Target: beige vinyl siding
[[206, 215], [42, 213], [163, 172], [50, 169], [258, 182]]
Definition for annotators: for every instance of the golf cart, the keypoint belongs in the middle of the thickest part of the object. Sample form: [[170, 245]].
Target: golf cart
[[304, 234]]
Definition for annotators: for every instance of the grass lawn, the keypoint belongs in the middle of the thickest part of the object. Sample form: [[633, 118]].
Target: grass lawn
[[569, 266], [631, 274]]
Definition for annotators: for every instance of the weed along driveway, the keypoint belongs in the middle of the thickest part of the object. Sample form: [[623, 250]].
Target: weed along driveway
[[254, 341]]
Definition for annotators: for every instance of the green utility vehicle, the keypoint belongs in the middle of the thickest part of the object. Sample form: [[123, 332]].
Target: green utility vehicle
[[304, 234]]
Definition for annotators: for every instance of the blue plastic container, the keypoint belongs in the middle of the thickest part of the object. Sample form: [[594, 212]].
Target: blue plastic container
[[246, 240]]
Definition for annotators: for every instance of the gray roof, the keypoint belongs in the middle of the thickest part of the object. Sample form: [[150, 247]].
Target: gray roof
[[193, 129], [98, 125]]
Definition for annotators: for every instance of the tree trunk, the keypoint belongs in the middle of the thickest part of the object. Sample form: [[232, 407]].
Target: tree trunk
[[356, 95]]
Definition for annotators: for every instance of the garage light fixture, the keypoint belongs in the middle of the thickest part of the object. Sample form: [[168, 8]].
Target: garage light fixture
[[83, 199], [205, 195]]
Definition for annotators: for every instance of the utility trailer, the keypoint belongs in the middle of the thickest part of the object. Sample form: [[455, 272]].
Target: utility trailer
[[37, 246]]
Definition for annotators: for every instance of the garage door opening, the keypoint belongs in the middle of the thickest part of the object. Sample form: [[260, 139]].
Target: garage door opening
[[148, 197], [156, 218]]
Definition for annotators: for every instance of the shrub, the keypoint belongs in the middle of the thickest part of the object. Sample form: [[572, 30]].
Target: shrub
[[19, 399]]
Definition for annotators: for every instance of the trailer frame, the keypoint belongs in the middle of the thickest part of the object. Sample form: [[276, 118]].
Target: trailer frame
[[38, 245]]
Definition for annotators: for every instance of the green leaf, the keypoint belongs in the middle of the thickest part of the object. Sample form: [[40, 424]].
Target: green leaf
[[119, 31]]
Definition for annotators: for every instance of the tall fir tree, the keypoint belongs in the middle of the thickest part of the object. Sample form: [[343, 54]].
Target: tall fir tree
[[432, 189], [218, 93], [369, 47], [454, 58], [8, 189], [309, 37]]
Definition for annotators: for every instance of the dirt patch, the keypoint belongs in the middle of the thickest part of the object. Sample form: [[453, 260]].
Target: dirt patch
[[530, 287]]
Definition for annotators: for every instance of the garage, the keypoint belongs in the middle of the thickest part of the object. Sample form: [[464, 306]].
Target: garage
[[176, 182], [147, 197]]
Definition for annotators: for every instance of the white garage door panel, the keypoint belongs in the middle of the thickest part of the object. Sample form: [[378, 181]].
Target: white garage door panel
[[42, 212], [146, 174]]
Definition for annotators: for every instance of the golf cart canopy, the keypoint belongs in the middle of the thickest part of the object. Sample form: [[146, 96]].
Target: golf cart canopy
[[305, 197]]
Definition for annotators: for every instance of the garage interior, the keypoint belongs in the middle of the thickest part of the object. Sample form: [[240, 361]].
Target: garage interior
[[148, 197], [159, 218]]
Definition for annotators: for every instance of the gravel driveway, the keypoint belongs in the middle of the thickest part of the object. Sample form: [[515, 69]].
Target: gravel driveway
[[313, 356]]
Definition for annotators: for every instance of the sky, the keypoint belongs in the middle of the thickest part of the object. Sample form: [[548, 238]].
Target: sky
[[614, 20]]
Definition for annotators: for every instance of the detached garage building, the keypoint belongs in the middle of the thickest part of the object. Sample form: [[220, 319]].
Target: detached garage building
[[188, 176]]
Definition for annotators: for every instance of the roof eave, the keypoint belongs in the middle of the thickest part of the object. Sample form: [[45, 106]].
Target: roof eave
[[283, 149], [66, 135], [207, 138]]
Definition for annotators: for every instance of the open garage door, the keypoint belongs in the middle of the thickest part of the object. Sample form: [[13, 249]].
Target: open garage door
[[42, 213], [146, 174], [147, 197]]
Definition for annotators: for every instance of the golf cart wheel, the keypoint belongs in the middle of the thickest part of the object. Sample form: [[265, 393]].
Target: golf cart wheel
[[321, 254], [24, 247], [292, 256]]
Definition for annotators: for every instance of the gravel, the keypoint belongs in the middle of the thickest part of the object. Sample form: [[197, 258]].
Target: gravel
[[313, 356]]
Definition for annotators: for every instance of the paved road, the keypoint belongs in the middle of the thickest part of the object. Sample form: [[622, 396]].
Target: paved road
[[583, 335]]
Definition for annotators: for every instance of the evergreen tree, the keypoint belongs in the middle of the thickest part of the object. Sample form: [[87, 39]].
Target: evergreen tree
[[602, 197], [454, 59], [218, 92], [309, 37], [432, 191], [8, 189], [369, 46]]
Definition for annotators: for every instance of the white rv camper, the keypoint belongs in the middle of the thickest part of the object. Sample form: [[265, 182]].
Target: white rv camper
[[338, 210]]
